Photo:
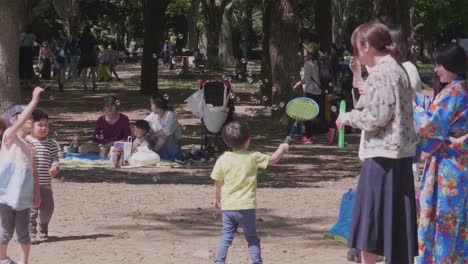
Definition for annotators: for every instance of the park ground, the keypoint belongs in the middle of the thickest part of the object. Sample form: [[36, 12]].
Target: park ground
[[166, 215]]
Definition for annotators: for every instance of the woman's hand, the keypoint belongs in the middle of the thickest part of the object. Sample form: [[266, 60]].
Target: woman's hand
[[340, 122], [355, 66], [361, 86]]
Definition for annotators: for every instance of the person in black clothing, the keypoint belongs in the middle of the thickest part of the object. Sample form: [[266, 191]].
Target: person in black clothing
[[88, 59]]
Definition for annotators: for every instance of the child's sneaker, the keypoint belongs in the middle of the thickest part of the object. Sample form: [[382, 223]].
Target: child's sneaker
[[8, 260], [43, 237], [304, 140]]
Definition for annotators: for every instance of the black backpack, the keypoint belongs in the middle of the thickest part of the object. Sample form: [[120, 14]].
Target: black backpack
[[325, 72]]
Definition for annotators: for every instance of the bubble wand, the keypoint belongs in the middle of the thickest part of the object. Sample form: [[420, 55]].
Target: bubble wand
[[341, 133]]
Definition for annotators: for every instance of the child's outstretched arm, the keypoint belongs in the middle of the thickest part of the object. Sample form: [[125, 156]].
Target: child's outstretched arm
[[282, 149], [218, 185], [24, 116]]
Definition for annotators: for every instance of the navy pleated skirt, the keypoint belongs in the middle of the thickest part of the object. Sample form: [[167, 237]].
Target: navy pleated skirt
[[384, 214]]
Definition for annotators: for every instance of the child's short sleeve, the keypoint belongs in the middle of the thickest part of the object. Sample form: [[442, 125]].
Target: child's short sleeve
[[261, 159], [217, 173]]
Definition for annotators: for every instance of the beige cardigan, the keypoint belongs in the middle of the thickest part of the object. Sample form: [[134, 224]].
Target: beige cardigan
[[385, 113]]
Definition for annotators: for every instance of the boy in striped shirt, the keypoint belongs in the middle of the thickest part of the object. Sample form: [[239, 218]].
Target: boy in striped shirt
[[47, 164]]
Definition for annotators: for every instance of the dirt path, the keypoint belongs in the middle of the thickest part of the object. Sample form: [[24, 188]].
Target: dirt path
[[163, 215]]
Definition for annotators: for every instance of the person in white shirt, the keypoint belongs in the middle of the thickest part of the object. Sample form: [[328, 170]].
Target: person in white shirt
[[404, 55], [165, 129]]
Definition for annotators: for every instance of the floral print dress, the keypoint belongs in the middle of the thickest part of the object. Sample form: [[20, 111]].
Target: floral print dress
[[442, 129]]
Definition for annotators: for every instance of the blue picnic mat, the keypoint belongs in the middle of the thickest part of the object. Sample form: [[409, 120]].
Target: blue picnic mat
[[77, 156]]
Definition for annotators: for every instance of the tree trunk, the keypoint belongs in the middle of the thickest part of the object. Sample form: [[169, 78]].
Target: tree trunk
[[192, 19], [284, 41], [69, 13], [153, 17], [323, 23], [247, 35], [10, 15], [265, 89], [226, 51], [394, 13], [213, 17], [340, 19]]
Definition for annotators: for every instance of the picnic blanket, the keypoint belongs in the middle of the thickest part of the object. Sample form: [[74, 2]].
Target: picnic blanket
[[75, 160], [340, 231]]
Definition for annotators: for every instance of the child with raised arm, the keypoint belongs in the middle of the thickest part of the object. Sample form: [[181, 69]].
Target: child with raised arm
[[19, 183], [235, 174], [47, 165]]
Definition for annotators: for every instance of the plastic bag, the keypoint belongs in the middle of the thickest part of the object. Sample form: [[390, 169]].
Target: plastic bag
[[144, 157]]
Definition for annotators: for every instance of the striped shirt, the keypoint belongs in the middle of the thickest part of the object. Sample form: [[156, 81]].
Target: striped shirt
[[47, 155]]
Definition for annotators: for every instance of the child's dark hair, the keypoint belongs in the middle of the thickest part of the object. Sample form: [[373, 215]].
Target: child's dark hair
[[142, 124], [39, 114], [111, 100], [159, 102], [235, 134]]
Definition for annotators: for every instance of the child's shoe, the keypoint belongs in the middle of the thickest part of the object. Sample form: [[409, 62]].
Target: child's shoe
[[8, 260], [304, 140], [43, 237]]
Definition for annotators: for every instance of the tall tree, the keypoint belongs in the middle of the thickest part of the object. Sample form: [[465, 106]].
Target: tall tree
[[226, 50], [10, 15], [69, 13], [340, 18], [213, 14], [266, 32], [323, 23], [192, 19], [153, 20], [394, 13], [283, 48], [14, 15]]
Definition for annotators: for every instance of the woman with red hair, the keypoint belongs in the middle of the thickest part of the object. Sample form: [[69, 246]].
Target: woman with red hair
[[384, 215]]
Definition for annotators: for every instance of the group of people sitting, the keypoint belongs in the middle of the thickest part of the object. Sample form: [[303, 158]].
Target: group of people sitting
[[160, 130]]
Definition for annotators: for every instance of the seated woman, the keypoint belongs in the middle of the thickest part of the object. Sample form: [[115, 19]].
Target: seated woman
[[199, 58], [165, 129], [112, 126]]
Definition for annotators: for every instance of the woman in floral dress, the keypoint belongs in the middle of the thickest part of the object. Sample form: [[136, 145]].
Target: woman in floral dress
[[443, 142]]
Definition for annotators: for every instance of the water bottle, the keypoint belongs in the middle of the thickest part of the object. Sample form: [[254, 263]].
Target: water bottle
[[75, 145], [112, 157]]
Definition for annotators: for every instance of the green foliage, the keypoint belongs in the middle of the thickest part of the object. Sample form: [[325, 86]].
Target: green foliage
[[178, 7]]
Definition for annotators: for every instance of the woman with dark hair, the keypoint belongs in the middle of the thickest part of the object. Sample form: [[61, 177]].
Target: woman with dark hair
[[384, 214], [112, 126], [166, 131], [443, 144], [88, 58]]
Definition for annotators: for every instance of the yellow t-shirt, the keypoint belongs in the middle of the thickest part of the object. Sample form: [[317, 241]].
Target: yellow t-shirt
[[238, 170]]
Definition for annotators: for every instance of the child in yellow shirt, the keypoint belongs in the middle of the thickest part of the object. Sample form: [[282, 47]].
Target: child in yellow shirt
[[235, 174]]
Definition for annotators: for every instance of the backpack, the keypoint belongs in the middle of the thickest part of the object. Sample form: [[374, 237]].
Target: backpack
[[325, 72]]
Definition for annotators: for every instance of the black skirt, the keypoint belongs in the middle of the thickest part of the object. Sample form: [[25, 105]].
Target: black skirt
[[384, 214]]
